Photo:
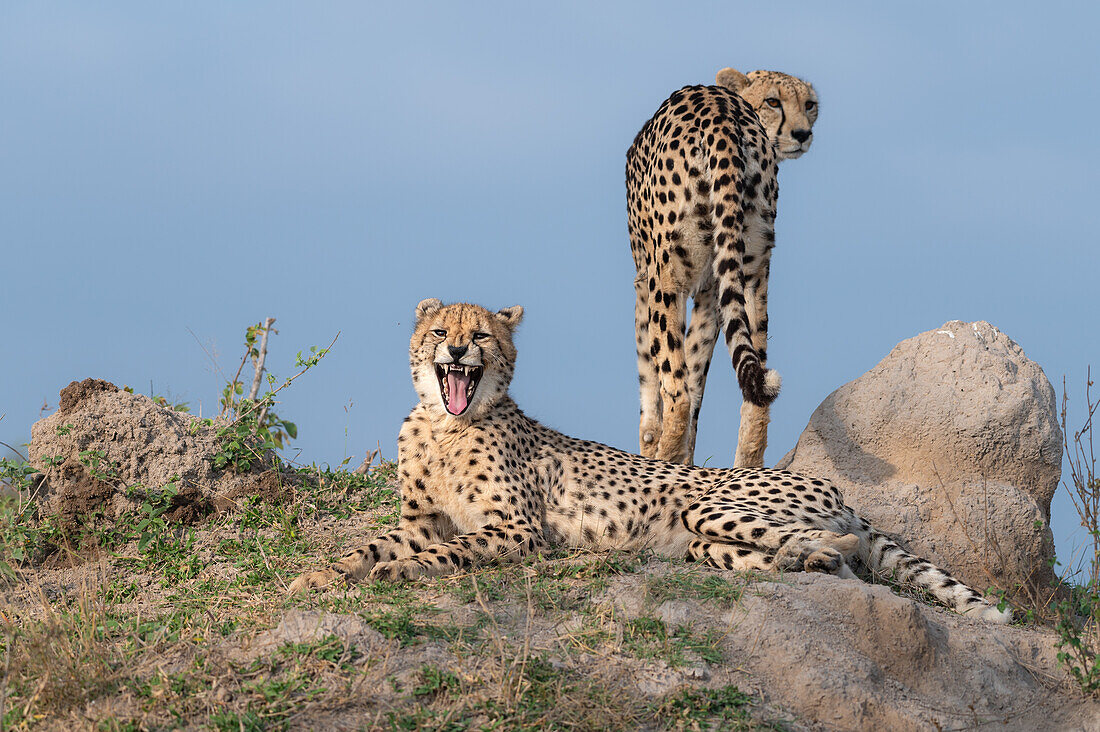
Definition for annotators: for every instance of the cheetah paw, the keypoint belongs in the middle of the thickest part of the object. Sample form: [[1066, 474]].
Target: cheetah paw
[[400, 569], [314, 580], [826, 560]]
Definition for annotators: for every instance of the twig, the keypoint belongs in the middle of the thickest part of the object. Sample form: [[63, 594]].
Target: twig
[[260, 360], [1082, 486], [990, 545], [368, 461], [233, 384], [25, 458], [213, 361]]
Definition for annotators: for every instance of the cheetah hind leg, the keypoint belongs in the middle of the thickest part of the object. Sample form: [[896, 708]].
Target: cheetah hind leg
[[792, 547], [728, 556], [649, 383]]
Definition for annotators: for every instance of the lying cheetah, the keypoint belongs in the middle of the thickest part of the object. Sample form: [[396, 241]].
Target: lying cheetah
[[480, 481], [701, 194]]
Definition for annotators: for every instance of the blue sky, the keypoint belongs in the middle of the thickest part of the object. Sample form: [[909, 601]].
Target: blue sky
[[191, 168]]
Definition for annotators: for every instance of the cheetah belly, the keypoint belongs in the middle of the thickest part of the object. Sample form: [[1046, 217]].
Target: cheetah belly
[[629, 522]]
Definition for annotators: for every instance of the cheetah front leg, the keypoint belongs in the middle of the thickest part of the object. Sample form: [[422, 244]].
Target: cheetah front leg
[[738, 557], [353, 567], [511, 540], [421, 525]]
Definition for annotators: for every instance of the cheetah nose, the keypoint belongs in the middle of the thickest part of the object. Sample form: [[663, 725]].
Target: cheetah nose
[[457, 352], [801, 135]]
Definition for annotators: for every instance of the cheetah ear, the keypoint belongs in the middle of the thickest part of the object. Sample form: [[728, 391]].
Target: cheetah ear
[[511, 316], [731, 79], [427, 307]]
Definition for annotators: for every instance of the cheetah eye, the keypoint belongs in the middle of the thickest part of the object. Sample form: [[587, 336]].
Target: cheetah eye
[[480, 336], [440, 332], [772, 102], [810, 106]]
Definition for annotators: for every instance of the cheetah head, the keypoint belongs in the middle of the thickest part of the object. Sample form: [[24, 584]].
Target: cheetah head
[[786, 106], [462, 357]]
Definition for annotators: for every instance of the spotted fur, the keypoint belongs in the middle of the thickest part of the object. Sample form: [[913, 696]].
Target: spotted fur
[[492, 483], [701, 202]]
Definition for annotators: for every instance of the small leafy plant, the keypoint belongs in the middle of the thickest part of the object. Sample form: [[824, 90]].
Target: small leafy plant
[[251, 428], [20, 536]]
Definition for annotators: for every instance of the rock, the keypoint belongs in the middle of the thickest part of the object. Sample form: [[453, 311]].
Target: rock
[[104, 448], [952, 443], [841, 654], [855, 656]]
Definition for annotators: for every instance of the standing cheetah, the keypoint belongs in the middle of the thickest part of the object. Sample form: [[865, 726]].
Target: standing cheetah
[[480, 480], [701, 194]]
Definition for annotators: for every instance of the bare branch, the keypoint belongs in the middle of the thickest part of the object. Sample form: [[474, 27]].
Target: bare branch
[[263, 415], [233, 385], [259, 363]]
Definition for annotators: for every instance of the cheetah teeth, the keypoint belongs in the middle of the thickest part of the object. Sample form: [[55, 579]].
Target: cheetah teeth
[[469, 389], [453, 376]]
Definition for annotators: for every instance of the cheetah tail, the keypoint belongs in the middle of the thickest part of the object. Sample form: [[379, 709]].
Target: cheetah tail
[[759, 385], [733, 190], [882, 555]]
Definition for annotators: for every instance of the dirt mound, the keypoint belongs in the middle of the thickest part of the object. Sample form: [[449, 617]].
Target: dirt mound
[[106, 451]]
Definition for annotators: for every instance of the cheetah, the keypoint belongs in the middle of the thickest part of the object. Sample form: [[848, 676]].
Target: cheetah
[[482, 481], [701, 194]]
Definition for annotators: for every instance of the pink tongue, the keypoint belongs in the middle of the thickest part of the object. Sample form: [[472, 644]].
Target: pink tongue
[[457, 383]]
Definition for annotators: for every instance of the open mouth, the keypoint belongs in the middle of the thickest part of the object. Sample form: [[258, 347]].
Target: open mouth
[[457, 384]]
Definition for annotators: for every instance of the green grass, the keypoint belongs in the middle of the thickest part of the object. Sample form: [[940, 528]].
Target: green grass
[[698, 583], [726, 708], [435, 682], [405, 626], [651, 638]]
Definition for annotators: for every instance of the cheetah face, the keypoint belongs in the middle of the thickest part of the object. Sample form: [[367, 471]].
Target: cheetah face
[[462, 357], [785, 104]]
